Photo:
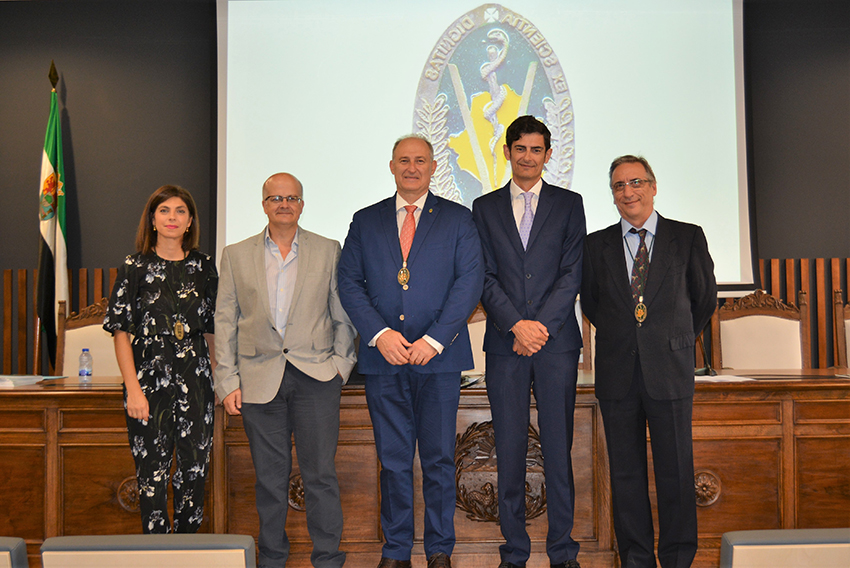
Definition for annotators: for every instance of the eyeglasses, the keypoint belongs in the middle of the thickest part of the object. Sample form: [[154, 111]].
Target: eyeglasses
[[278, 199], [634, 184]]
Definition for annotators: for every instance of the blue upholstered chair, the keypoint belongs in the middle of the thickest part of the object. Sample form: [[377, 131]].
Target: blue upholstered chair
[[13, 552]]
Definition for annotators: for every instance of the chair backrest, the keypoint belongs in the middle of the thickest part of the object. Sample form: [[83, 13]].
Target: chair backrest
[[145, 550], [842, 328], [786, 548], [13, 552], [759, 331], [84, 330]]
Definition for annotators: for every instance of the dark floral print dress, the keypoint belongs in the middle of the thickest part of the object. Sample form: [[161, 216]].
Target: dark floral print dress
[[156, 301]]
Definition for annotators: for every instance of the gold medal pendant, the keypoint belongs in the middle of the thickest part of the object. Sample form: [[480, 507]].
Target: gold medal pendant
[[178, 330], [403, 274], [640, 310]]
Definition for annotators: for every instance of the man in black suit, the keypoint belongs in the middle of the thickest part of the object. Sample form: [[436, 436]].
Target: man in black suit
[[532, 235], [648, 286]]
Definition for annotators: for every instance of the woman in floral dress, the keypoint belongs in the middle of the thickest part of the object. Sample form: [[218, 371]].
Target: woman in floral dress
[[161, 316]]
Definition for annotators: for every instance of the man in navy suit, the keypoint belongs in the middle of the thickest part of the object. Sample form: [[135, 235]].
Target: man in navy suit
[[410, 275], [532, 234], [649, 289]]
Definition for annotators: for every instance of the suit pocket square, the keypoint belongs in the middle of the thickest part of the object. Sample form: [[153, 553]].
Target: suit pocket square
[[682, 341]]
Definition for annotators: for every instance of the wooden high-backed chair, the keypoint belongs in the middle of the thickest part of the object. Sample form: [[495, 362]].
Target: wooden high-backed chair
[[81, 330], [842, 328], [760, 331]]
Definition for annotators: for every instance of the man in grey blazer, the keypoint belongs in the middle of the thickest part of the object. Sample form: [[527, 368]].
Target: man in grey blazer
[[285, 346]]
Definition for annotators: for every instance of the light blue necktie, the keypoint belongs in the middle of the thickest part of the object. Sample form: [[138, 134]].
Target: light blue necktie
[[527, 220]]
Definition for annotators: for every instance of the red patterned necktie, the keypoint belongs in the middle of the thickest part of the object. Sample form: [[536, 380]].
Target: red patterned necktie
[[640, 268], [408, 229]]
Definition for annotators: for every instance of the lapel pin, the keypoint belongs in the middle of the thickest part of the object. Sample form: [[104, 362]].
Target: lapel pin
[[431, 210]]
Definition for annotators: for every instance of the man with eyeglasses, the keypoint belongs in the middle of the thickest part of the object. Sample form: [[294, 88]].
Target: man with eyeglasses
[[285, 346], [648, 286]]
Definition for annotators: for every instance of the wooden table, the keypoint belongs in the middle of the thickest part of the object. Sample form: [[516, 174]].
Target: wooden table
[[769, 453]]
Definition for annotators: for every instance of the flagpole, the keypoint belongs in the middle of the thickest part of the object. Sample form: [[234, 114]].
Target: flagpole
[[52, 284]]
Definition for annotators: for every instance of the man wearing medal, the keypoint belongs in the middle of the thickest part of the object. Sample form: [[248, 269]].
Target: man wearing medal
[[286, 347], [410, 275], [648, 286]]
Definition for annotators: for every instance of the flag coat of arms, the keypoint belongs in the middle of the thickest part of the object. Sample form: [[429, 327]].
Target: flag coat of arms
[[52, 283]]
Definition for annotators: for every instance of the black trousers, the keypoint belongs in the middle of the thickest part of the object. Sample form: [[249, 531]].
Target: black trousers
[[181, 425], [671, 440]]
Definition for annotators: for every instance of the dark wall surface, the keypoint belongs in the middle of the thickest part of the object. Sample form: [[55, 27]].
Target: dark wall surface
[[138, 96], [797, 63]]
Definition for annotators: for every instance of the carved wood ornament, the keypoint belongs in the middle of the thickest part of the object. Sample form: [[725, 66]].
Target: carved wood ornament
[[475, 474]]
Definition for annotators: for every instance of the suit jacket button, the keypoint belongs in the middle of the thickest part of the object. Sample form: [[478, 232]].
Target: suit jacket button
[[639, 324], [530, 302], [401, 317], [528, 276], [285, 351], [633, 353]]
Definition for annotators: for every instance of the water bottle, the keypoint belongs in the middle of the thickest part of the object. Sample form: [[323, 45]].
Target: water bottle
[[85, 366]]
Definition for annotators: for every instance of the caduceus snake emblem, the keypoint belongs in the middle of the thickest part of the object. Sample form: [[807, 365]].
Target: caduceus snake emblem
[[496, 53]]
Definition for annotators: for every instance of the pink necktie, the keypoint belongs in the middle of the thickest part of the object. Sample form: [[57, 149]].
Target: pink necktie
[[408, 229]]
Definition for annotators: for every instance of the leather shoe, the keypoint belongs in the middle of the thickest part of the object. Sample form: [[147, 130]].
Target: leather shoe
[[440, 560], [571, 563], [393, 563], [506, 564]]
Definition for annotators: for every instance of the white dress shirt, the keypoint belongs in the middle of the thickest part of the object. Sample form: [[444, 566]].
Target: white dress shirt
[[280, 280], [518, 201]]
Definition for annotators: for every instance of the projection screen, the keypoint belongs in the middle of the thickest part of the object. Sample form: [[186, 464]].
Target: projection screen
[[322, 89]]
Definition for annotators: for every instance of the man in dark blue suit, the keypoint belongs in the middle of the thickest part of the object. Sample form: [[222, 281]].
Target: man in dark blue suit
[[410, 275], [649, 289], [532, 234]]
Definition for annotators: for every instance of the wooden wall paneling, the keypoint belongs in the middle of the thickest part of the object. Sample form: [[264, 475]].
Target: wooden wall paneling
[[788, 480], [83, 289], [775, 280], [805, 279], [113, 275], [98, 285], [790, 281], [23, 338], [835, 271], [7, 321], [217, 473], [822, 302], [52, 490], [804, 276]]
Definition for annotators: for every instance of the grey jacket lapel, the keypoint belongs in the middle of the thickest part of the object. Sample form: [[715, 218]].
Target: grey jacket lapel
[[259, 276], [303, 264]]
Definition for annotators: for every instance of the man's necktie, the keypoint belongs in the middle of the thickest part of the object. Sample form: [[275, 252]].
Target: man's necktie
[[408, 229], [527, 220], [640, 268]]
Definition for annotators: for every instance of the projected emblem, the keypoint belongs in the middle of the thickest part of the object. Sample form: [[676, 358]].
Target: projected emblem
[[489, 67]]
